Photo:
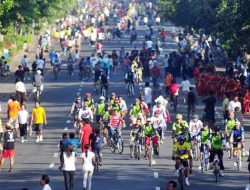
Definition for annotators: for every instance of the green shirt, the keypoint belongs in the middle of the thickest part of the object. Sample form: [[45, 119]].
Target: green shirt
[[136, 110], [217, 141], [225, 104], [205, 135], [230, 124], [100, 108], [149, 131], [177, 128]]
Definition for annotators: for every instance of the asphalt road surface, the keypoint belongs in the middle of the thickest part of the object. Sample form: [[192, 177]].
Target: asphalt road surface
[[119, 171]]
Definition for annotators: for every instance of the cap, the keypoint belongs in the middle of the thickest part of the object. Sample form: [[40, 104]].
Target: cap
[[102, 98], [178, 116], [88, 94], [237, 123], [196, 116], [149, 120]]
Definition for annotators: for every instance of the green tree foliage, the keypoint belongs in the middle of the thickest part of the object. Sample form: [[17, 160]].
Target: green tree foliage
[[228, 19]]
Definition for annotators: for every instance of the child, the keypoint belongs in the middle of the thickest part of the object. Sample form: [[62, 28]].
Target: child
[[44, 181]]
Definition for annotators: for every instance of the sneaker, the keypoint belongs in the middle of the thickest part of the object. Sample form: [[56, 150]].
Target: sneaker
[[25, 140], [37, 139], [235, 164], [187, 182], [41, 138], [22, 140], [161, 141], [221, 174], [243, 153], [199, 167]]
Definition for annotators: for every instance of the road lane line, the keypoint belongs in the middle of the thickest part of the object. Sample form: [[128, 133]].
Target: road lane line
[[156, 175], [55, 154], [51, 165], [58, 145], [157, 188]]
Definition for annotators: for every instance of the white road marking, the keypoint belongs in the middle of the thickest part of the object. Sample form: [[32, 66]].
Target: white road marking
[[66, 128], [157, 188], [55, 154], [156, 175], [51, 165], [58, 145], [68, 121], [153, 162]]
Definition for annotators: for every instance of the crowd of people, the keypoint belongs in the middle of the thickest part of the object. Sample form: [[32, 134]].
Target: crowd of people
[[97, 122]]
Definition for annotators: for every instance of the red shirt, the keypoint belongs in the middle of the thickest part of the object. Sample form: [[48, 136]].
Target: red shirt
[[174, 88], [86, 131]]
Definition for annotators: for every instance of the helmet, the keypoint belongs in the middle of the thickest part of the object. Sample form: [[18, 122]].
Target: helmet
[[178, 116], [102, 98], [149, 120], [78, 98], [196, 116], [88, 95], [181, 137], [237, 123]]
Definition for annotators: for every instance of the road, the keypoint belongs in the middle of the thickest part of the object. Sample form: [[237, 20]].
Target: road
[[119, 172]]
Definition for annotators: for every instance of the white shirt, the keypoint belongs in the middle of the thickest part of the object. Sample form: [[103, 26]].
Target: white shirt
[[149, 44], [20, 87], [87, 161], [185, 85], [69, 162], [159, 122], [145, 19], [232, 105], [158, 19], [23, 117], [123, 105], [46, 187], [40, 63], [195, 127], [93, 61], [87, 113], [148, 95]]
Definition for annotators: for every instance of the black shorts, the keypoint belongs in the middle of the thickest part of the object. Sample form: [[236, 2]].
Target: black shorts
[[201, 147], [184, 162]]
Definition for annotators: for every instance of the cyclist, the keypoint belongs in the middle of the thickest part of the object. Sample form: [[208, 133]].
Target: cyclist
[[97, 76], [160, 108], [237, 139], [150, 134], [185, 85], [181, 154], [100, 108], [135, 109], [159, 124], [177, 126], [123, 106], [115, 123], [85, 113], [230, 123], [136, 132], [129, 78], [216, 142], [104, 82], [112, 99], [75, 108], [195, 126], [87, 68], [89, 101], [116, 106], [204, 135]]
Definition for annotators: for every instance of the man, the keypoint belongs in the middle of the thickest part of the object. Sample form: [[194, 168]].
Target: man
[[40, 64], [191, 101], [8, 147], [100, 108], [210, 108], [185, 85], [20, 90], [38, 80], [174, 89], [26, 69], [216, 142], [85, 113], [19, 73], [181, 154], [233, 104], [44, 181], [147, 92], [155, 73], [23, 119], [178, 125], [12, 113], [168, 82], [38, 119]]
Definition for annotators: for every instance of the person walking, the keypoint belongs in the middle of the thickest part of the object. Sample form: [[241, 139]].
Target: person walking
[[8, 146], [12, 112], [88, 158], [38, 118], [86, 131], [23, 119], [69, 167], [20, 90]]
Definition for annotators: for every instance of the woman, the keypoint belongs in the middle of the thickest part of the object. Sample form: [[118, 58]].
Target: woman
[[246, 103], [69, 167], [88, 158]]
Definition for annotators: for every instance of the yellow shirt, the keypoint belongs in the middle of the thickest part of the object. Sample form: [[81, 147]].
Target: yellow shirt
[[181, 151], [38, 115]]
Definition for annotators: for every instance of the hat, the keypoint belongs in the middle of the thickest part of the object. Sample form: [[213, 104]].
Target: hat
[[178, 116], [196, 116], [237, 123], [149, 120], [102, 98]]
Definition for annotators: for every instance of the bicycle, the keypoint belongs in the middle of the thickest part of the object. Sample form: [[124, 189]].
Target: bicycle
[[204, 161], [151, 150], [195, 148], [135, 148], [181, 177], [216, 168], [131, 90], [116, 142], [237, 153]]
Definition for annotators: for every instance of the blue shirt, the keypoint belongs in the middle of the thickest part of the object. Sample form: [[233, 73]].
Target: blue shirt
[[237, 134], [74, 142]]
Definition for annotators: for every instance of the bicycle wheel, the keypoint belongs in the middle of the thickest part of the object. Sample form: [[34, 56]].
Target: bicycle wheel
[[150, 156], [112, 146], [97, 164], [120, 145], [181, 180], [139, 152]]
